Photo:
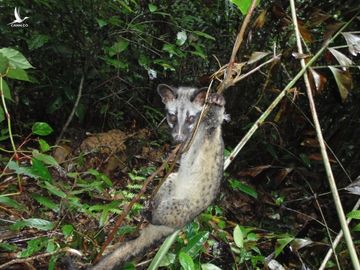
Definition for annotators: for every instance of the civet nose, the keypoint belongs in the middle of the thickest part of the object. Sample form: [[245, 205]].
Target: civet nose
[[179, 138]]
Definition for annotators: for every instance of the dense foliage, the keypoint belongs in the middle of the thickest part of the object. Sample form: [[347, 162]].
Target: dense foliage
[[275, 205]]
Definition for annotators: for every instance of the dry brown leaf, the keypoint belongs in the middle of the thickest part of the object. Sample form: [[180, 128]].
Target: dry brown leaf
[[260, 20], [318, 157], [317, 80], [253, 172], [318, 17], [305, 33], [282, 174], [331, 29], [343, 80], [310, 142]]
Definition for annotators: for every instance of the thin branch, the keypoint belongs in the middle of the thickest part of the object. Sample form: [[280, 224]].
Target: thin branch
[[76, 104], [40, 256], [329, 173], [239, 39]]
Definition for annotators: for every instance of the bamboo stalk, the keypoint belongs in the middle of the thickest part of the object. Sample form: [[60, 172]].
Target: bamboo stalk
[[329, 173]]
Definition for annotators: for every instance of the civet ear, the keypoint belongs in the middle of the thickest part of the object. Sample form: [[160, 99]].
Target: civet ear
[[199, 96], [166, 92]]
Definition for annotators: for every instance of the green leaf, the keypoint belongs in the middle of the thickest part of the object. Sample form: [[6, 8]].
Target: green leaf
[[51, 247], [12, 203], [281, 243], [39, 169], [144, 61], [34, 246], [2, 116], [209, 266], [46, 202], [4, 64], [238, 237], [181, 38], [357, 228], [18, 74], [168, 260], [116, 63], [165, 64], [163, 251], [355, 214], [16, 59], [55, 104], [12, 165], [205, 35], [80, 112], [243, 5], [171, 49], [119, 47], [195, 244], [152, 7], [37, 41], [37, 223], [6, 90], [42, 129], [199, 51], [44, 146], [101, 22], [67, 230], [7, 247], [49, 160], [55, 190], [52, 262], [237, 185], [186, 261]]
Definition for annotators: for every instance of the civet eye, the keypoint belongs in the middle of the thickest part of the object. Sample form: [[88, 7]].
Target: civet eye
[[172, 118], [190, 119]]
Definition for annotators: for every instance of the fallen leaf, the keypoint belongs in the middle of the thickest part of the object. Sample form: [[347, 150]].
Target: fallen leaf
[[253, 172], [331, 29], [318, 17], [305, 33], [260, 20]]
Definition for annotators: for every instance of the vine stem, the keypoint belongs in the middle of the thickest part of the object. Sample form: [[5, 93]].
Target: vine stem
[[76, 104], [8, 118], [329, 173], [7, 115]]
